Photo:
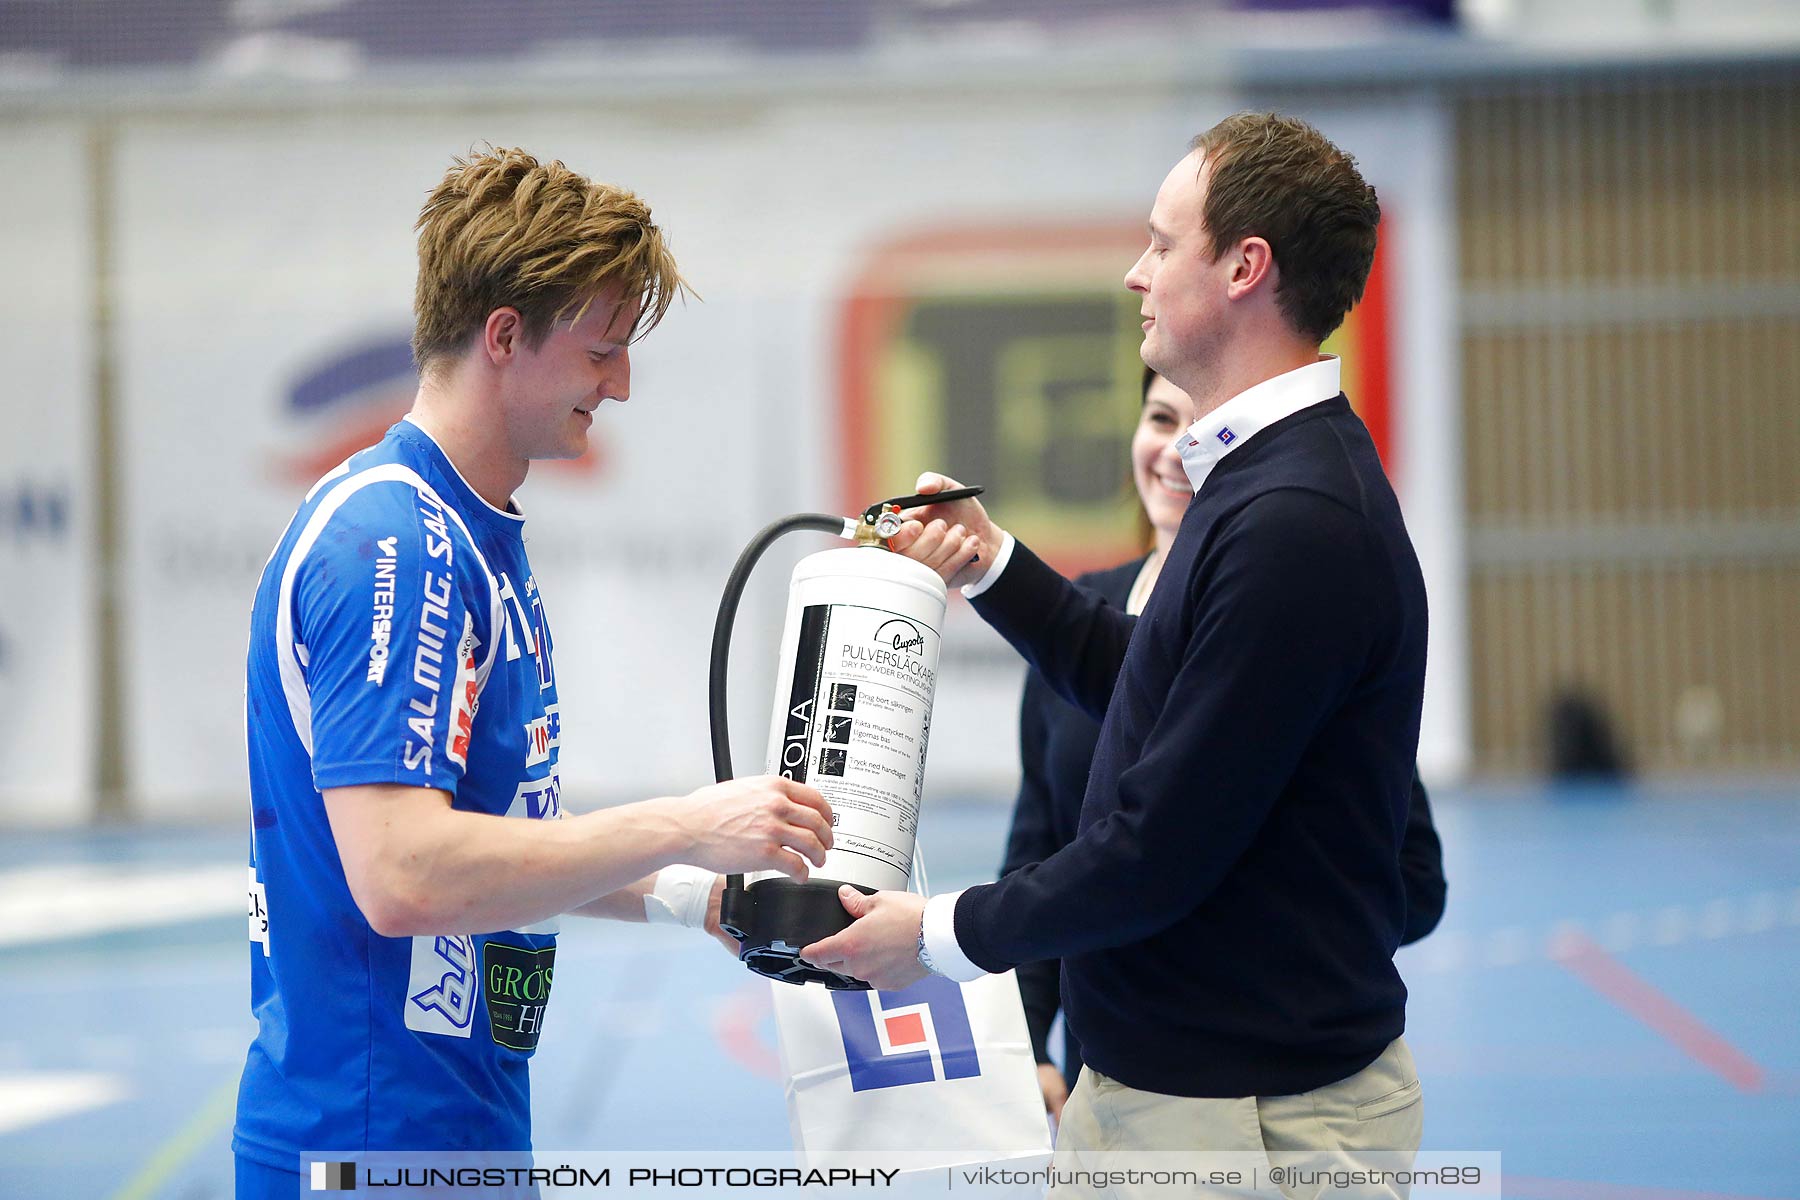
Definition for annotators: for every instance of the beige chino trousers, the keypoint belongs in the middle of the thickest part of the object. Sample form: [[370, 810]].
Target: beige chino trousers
[[1348, 1138]]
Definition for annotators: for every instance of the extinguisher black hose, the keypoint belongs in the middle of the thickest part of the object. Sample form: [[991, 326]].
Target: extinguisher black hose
[[721, 643]]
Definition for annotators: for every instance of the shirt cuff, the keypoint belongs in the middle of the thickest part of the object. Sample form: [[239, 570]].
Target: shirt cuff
[[947, 957], [992, 575], [680, 896]]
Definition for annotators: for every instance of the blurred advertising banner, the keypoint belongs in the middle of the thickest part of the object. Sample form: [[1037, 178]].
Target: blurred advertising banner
[[900, 284], [47, 578], [302, 357], [1008, 355]]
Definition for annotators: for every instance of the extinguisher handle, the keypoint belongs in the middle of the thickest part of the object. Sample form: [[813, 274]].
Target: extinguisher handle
[[874, 510]]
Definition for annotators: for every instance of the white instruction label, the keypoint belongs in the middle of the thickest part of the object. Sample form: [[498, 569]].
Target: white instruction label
[[859, 717]]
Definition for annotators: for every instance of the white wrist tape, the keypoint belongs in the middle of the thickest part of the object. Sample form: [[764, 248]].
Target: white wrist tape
[[680, 896]]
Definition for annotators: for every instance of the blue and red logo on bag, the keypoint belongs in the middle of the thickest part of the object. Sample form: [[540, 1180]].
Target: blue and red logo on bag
[[916, 1035]]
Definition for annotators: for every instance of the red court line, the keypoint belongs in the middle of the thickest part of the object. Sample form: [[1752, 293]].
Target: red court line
[[735, 1024], [1588, 961], [1525, 1187]]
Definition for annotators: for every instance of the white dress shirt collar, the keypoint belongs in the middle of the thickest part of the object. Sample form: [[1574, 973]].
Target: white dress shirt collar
[[1250, 412]]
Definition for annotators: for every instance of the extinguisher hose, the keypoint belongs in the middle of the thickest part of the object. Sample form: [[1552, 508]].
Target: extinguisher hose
[[721, 643]]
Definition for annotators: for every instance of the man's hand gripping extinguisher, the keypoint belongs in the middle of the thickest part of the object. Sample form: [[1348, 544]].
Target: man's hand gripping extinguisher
[[852, 715]]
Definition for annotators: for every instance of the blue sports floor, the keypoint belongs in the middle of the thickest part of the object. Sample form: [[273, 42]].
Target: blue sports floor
[[1612, 1002]]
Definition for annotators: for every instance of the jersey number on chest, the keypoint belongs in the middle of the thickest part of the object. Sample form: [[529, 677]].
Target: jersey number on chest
[[526, 629]]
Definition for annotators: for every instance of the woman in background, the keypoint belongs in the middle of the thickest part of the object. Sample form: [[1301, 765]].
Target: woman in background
[[1056, 739]]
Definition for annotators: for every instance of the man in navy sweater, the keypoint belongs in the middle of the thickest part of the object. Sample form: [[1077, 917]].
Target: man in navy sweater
[[1230, 907]]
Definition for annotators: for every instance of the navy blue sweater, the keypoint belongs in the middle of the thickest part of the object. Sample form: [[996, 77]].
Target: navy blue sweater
[[1056, 745], [1229, 909]]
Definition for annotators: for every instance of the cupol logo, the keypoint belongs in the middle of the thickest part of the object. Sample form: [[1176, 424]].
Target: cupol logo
[[900, 635]]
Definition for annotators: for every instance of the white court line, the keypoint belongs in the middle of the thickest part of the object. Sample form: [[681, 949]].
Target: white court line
[[35, 1097], [1669, 925], [47, 904]]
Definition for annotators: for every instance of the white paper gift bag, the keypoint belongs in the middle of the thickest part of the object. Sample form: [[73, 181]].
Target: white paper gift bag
[[940, 1070]]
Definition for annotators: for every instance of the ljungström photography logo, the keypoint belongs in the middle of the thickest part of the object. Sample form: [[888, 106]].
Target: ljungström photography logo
[[333, 1177]]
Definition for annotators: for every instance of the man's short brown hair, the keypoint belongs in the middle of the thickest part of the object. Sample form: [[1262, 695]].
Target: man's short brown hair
[[503, 229], [1278, 178]]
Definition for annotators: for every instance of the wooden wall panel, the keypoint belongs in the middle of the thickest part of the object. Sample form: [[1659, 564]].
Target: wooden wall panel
[[1630, 262]]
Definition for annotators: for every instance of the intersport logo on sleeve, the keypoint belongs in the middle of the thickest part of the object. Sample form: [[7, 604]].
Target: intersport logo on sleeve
[[919, 1034]]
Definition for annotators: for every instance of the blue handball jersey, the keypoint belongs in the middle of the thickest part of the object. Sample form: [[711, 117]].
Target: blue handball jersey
[[398, 637]]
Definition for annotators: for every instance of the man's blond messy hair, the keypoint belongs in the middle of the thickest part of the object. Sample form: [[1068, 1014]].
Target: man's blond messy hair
[[504, 230]]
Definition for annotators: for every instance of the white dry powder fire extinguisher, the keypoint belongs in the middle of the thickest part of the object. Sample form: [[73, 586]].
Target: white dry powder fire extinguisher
[[851, 717]]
